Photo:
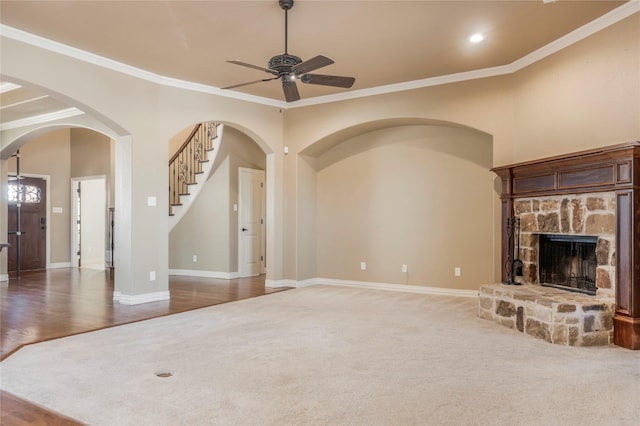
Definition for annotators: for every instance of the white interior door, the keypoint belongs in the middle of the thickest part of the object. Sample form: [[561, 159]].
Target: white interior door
[[89, 222], [250, 222]]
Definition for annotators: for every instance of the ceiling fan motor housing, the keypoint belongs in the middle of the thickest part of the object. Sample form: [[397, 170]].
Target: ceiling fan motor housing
[[283, 63]]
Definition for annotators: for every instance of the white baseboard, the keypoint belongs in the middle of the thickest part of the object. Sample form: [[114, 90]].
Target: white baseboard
[[59, 265], [390, 287], [204, 274], [138, 299], [280, 283], [331, 281], [308, 282], [4, 277]]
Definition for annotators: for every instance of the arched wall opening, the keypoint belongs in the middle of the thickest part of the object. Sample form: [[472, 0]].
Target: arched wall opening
[[150, 113], [410, 200], [86, 123], [206, 239], [63, 155]]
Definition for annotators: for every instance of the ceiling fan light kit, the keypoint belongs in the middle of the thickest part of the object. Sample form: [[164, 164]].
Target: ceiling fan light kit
[[289, 68]]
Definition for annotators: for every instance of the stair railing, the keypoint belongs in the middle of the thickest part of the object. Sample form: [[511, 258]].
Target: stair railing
[[186, 163]]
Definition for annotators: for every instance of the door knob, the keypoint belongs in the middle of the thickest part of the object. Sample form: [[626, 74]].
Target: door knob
[[244, 229]]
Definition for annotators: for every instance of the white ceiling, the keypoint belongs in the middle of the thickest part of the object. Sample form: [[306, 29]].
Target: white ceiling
[[379, 43]]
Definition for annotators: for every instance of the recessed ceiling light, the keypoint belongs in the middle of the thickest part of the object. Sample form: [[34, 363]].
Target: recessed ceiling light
[[476, 38]]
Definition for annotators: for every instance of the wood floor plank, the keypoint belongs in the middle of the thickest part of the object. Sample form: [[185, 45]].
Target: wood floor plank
[[45, 305], [18, 412]]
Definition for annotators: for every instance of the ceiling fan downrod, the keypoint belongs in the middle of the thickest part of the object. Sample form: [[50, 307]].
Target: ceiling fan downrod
[[283, 63], [286, 5]]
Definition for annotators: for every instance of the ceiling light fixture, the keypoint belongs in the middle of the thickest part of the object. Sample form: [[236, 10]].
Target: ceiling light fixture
[[476, 38]]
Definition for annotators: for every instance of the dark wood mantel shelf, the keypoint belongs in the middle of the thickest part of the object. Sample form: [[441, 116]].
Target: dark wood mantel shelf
[[610, 169]]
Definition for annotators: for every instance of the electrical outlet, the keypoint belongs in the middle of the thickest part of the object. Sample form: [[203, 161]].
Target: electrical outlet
[[363, 265], [195, 258], [404, 268], [457, 272]]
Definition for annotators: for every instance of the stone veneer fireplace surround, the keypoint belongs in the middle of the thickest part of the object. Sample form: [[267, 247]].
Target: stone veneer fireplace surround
[[571, 215], [595, 192]]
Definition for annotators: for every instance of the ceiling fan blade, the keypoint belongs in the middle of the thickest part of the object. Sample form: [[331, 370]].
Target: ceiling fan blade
[[255, 67], [328, 80], [251, 82], [312, 64], [290, 90]]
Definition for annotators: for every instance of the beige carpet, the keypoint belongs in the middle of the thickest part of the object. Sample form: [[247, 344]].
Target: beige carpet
[[326, 355]]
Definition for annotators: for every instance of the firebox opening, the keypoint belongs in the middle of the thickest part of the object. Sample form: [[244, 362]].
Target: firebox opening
[[568, 262]]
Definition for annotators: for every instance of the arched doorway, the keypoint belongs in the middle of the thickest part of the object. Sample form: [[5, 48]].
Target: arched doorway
[[47, 139], [208, 239]]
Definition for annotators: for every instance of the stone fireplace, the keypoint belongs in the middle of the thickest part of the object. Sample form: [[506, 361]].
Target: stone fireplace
[[585, 209], [585, 226]]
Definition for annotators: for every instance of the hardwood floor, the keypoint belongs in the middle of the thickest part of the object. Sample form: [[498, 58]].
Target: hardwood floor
[[45, 305]]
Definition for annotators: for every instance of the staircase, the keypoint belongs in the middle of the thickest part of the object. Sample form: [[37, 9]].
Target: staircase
[[190, 167]]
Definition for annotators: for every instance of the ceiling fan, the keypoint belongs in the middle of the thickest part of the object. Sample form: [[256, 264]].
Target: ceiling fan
[[290, 68]]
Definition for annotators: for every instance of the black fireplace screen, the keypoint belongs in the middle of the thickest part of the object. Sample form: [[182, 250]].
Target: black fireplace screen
[[568, 262]]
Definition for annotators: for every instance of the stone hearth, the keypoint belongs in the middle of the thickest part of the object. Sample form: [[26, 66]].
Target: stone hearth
[[553, 315]]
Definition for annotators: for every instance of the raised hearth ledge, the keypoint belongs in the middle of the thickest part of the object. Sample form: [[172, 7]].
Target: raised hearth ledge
[[546, 313]]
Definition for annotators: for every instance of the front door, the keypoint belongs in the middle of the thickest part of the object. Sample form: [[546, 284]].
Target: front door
[[250, 222], [33, 225]]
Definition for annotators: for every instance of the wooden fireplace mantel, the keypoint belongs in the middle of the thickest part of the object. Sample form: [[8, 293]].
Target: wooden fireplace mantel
[[610, 169]]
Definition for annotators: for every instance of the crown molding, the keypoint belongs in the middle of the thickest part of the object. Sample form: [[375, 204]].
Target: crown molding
[[606, 20], [616, 15], [42, 118], [101, 61], [409, 85], [598, 24]]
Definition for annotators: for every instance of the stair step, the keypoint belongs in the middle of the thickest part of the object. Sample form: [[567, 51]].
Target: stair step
[[175, 205]]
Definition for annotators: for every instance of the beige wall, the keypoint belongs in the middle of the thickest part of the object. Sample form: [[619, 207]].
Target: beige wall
[[176, 141], [204, 230], [414, 195], [584, 96], [209, 229], [91, 155]]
